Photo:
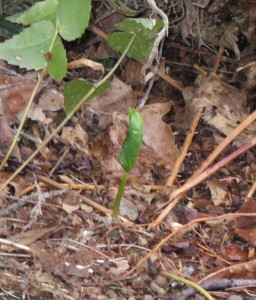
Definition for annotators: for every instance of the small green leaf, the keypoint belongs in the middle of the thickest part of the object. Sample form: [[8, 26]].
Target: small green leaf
[[74, 91], [133, 25], [73, 18], [44, 10], [132, 144], [57, 61], [143, 43], [27, 48]]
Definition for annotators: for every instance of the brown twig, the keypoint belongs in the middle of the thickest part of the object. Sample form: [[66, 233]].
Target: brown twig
[[175, 196], [218, 59], [210, 171], [251, 118], [184, 149], [168, 237]]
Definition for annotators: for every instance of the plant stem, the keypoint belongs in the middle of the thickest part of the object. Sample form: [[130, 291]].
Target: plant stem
[[190, 283], [119, 195], [24, 117], [68, 117]]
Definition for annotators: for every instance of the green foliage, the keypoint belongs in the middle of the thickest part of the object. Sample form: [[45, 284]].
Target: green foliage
[[75, 90], [44, 10], [129, 153], [57, 61], [145, 37], [38, 44], [73, 18], [132, 144], [26, 49]]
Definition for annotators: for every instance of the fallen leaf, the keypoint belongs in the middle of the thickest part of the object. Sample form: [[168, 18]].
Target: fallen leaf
[[76, 136]]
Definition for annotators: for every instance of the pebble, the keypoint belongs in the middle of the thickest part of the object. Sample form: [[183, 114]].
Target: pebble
[[157, 289], [235, 297], [161, 281], [147, 297]]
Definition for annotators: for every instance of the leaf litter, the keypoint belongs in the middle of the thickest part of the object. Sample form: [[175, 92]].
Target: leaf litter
[[73, 250]]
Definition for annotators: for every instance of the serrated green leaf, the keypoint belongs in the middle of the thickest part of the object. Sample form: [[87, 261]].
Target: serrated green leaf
[[44, 10], [132, 144], [73, 18], [57, 61], [143, 43], [27, 49], [75, 90]]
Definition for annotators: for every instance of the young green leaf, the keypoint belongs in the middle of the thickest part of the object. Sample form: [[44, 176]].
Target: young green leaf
[[27, 48], [73, 18], [144, 40], [132, 144], [43, 10], [57, 61], [74, 91]]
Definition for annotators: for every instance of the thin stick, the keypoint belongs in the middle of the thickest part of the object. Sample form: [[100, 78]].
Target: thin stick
[[184, 149], [24, 117], [210, 171], [251, 118], [188, 225], [252, 191], [189, 283], [175, 196], [218, 59], [16, 245]]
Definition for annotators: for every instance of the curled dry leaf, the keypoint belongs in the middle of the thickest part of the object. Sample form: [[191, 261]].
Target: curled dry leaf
[[117, 98], [76, 136], [15, 92], [246, 227], [51, 100], [224, 105], [217, 5]]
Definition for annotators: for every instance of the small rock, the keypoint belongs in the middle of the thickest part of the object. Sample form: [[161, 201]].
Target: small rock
[[131, 298], [235, 297], [161, 281], [157, 289], [147, 297], [127, 208], [111, 294], [138, 283]]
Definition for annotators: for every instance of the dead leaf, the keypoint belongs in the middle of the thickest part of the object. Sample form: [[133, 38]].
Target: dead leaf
[[32, 235], [76, 136], [15, 92], [117, 98], [224, 106], [52, 100], [218, 191]]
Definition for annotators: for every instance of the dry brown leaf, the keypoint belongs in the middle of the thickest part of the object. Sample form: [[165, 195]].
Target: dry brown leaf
[[51, 100], [225, 105], [15, 93], [76, 136], [218, 190], [32, 235], [117, 98], [217, 5], [158, 140]]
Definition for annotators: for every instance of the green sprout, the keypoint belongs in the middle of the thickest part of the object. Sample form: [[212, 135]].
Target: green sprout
[[130, 150]]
